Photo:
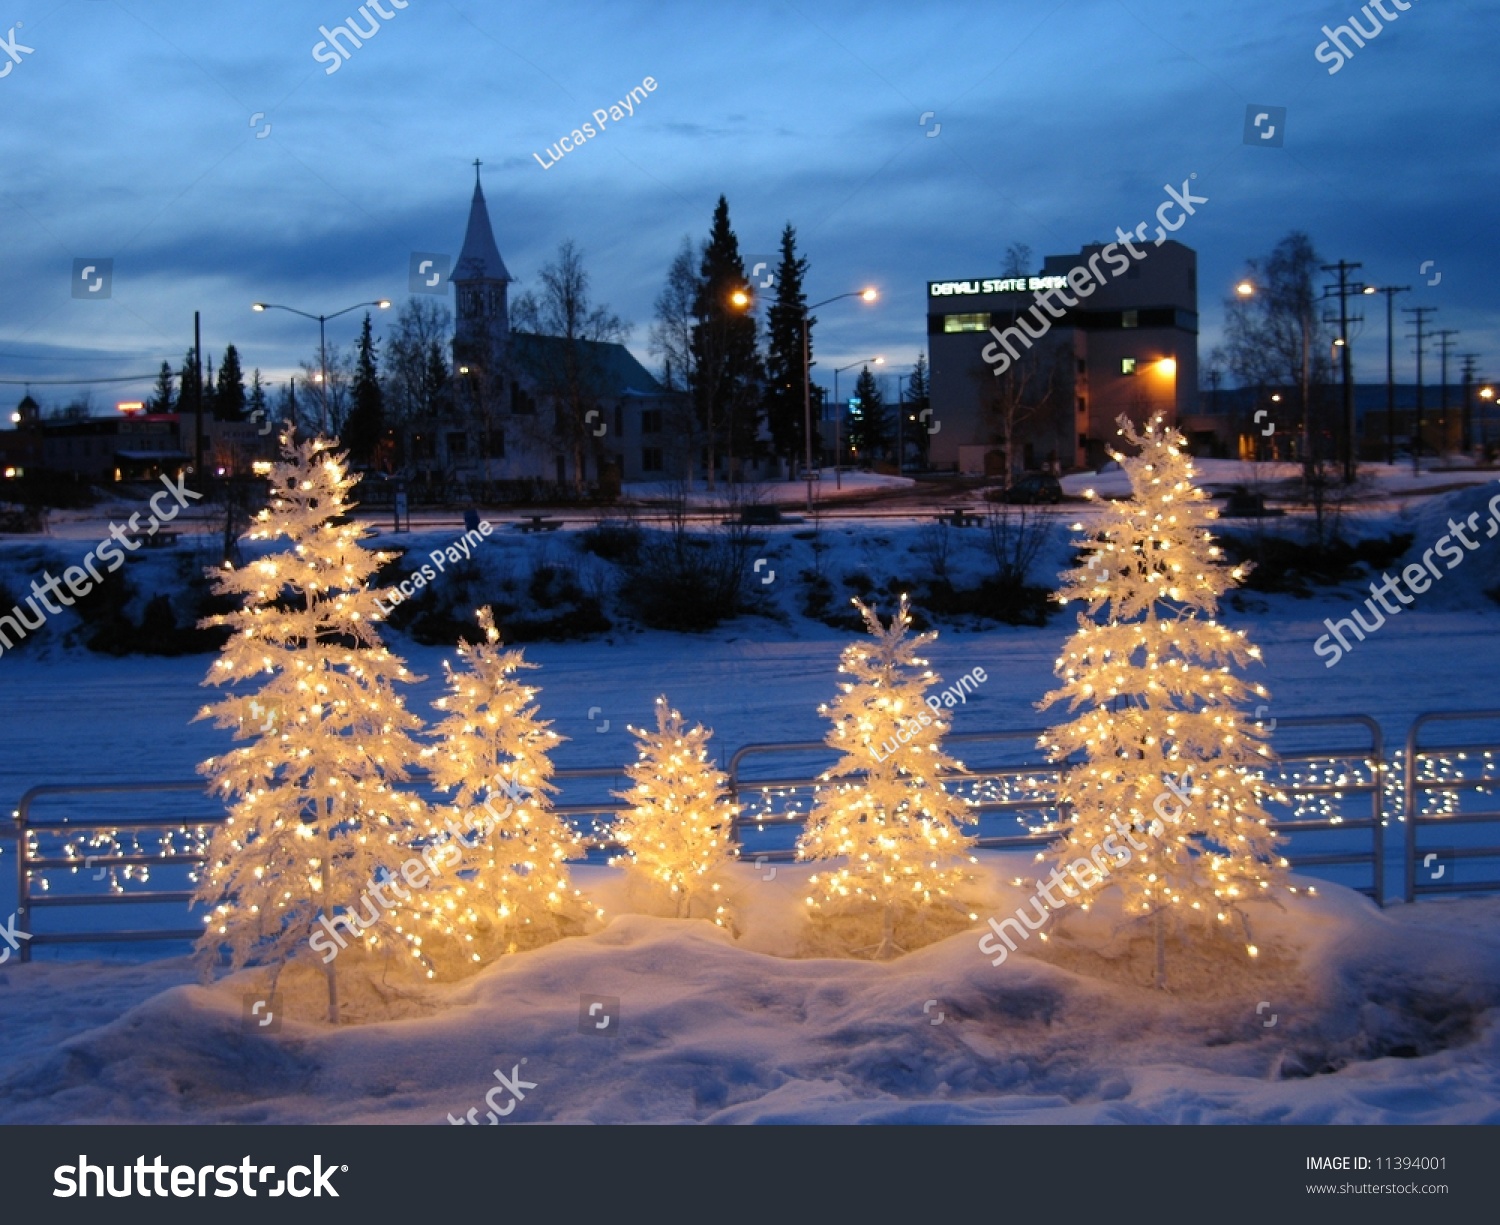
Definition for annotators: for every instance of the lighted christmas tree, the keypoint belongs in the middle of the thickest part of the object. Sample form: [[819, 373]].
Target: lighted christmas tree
[[884, 810], [317, 813], [1173, 770], [677, 830], [503, 882]]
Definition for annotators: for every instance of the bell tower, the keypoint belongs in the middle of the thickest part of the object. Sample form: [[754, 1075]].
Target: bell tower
[[481, 285]]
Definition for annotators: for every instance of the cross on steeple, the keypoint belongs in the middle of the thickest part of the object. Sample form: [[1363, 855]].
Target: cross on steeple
[[477, 164]]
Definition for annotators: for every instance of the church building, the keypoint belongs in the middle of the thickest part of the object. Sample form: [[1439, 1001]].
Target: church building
[[539, 409]]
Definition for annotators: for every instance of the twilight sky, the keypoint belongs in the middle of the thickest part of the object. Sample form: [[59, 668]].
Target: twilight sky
[[126, 133]]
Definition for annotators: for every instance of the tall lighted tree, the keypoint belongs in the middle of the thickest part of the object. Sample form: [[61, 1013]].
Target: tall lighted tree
[[316, 809], [1172, 768], [677, 829], [883, 813], [508, 886]]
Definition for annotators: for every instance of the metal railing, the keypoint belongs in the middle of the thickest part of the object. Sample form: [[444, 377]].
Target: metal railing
[[1355, 774], [1425, 782], [1027, 790]]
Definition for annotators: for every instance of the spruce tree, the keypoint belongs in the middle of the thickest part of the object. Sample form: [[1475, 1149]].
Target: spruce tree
[[887, 815], [366, 424], [785, 409], [317, 812], [1172, 766], [918, 399], [509, 886], [229, 391], [870, 426], [257, 401], [678, 829], [726, 363], [162, 397]]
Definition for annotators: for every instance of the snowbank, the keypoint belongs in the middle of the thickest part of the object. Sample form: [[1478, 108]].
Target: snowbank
[[1364, 1017]]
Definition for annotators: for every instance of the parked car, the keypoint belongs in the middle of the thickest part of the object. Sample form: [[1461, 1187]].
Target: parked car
[[1030, 488]]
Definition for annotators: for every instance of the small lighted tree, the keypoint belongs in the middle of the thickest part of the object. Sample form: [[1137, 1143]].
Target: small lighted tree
[[883, 812], [316, 811], [1171, 766], [506, 885], [677, 829]]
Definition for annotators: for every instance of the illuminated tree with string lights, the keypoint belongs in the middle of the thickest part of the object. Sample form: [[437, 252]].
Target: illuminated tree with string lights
[[1171, 764], [316, 811], [677, 829], [883, 813], [508, 886]]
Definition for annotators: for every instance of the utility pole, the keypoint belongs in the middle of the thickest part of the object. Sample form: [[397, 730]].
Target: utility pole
[[1466, 442], [1390, 292], [1419, 317], [1344, 288], [1445, 344]]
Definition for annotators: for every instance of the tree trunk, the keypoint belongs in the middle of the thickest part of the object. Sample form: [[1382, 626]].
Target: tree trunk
[[887, 935], [1161, 951], [331, 975]]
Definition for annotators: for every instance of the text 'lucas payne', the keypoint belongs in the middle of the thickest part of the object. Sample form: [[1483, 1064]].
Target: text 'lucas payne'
[[624, 108]]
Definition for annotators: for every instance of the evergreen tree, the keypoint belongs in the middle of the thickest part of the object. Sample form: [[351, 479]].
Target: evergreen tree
[[365, 428], [677, 832], [918, 400], [316, 810], [187, 400], [229, 391], [493, 754], [726, 364], [1170, 763], [162, 399], [869, 425], [785, 408], [210, 393], [888, 816], [257, 401]]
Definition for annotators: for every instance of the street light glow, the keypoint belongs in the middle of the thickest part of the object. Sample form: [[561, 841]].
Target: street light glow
[[1244, 289], [740, 298], [869, 295], [1167, 366], [257, 306]]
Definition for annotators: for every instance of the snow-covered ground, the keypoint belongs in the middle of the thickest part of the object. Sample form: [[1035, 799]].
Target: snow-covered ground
[[1357, 1016], [1380, 1016]]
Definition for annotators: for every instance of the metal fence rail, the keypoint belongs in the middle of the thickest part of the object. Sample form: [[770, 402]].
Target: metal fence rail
[[1334, 812], [1425, 783]]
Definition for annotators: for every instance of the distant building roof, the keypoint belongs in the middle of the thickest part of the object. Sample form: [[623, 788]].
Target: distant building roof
[[617, 370]]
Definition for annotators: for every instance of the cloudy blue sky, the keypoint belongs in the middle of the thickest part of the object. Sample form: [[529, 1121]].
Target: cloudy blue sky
[[126, 133]]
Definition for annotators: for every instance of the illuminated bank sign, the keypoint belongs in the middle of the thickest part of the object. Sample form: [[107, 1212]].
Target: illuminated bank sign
[[1010, 284]]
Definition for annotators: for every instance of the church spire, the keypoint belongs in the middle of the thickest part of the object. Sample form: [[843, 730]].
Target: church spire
[[480, 258], [480, 282]]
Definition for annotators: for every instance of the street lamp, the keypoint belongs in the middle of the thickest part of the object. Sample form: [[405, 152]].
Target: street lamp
[[865, 295], [838, 416], [1485, 393], [382, 303]]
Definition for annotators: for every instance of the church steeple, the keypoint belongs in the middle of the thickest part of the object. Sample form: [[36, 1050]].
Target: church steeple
[[480, 280]]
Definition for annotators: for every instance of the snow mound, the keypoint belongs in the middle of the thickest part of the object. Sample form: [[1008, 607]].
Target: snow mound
[[1356, 1015]]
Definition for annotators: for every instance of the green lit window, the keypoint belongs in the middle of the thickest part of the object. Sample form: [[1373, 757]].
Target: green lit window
[[1127, 365], [966, 323]]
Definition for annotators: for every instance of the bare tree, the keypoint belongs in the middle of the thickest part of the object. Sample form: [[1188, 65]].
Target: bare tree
[[1017, 260], [329, 406], [672, 341], [1016, 402], [564, 360]]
